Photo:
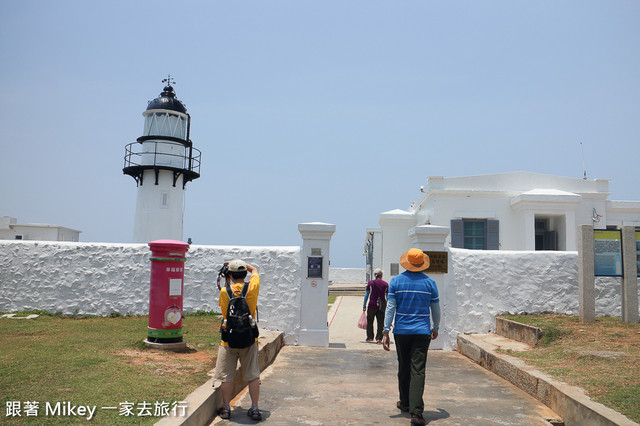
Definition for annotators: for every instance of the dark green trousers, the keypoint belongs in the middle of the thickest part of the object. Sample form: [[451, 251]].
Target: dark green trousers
[[412, 363]]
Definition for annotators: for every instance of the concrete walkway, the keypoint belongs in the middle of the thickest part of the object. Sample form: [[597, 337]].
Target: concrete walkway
[[354, 382]]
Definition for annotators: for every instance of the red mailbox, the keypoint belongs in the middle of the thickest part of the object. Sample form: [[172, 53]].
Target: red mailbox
[[165, 292]]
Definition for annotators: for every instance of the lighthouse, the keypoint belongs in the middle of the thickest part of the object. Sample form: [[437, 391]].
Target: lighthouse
[[162, 161]]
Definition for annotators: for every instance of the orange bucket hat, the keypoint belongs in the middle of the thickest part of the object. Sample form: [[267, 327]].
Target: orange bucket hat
[[414, 260]]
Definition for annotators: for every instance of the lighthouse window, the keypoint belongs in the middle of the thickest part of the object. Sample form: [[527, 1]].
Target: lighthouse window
[[175, 125], [165, 124], [165, 200]]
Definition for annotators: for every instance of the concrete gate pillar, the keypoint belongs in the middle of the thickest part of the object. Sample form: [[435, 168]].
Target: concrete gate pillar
[[429, 237], [431, 240], [630, 275], [314, 291]]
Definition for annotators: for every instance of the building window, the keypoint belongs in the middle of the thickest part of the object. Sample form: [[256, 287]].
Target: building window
[[395, 269], [550, 232], [18, 237], [546, 238], [475, 234]]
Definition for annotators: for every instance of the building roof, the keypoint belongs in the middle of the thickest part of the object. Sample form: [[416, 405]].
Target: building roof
[[7, 222], [514, 184], [167, 100], [519, 182], [42, 225], [547, 196]]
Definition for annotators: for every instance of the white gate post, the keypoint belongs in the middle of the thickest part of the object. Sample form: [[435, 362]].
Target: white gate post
[[314, 293], [431, 239]]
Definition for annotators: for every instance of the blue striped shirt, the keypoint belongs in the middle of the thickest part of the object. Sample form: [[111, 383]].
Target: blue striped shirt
[[413, 293]]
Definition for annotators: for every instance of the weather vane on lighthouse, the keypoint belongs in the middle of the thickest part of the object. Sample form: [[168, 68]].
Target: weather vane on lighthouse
[[169, 80], [162, 162]]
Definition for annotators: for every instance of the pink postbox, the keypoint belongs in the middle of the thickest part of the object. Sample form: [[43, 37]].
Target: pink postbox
[[165, 292]]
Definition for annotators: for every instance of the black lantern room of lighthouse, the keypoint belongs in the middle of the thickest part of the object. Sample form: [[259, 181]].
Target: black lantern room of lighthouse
[[165, 144]]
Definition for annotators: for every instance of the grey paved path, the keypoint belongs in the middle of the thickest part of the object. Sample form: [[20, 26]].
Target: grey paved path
[[354, 382]]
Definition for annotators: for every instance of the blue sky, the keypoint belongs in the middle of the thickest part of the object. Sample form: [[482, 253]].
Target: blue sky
[[330, 111]]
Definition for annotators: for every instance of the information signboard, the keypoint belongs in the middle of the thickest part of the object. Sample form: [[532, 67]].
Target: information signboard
[[438, 262], [607, 249], [314, 267]]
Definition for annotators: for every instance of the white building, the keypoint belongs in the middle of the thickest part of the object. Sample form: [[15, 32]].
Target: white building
[[10, 229], [504, 211]]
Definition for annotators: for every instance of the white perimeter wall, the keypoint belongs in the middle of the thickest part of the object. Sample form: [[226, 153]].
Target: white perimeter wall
[[99, 279], [482, 284], [347, 276], [95, 278]]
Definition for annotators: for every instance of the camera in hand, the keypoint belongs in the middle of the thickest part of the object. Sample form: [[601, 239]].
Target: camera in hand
[[223, 272]]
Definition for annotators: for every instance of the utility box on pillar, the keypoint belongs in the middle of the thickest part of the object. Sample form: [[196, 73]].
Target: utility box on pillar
[[166, 294]]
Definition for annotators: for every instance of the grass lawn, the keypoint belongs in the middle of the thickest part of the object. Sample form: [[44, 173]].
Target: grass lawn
[[603, 357], [101, 362], [332, 299]]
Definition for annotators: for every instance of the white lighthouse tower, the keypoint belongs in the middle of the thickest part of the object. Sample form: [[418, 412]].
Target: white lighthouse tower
[[162, 161]]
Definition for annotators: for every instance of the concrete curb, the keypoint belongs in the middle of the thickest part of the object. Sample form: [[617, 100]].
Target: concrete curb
[[517, 331], [204, 402], [567, 401]]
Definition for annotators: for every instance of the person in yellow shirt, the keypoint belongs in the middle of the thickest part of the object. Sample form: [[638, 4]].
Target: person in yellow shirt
[[228, 357]]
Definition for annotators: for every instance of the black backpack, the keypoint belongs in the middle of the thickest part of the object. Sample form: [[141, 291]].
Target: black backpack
[[241, 329]]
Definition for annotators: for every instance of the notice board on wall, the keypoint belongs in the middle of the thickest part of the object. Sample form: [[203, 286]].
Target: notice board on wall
[[314, 267], [438, 262], [607, 251]]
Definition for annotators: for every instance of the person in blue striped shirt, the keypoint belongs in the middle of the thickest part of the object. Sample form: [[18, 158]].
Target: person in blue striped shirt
[[413, 303]]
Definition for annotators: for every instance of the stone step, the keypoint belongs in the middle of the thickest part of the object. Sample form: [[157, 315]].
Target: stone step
[[347, 289]]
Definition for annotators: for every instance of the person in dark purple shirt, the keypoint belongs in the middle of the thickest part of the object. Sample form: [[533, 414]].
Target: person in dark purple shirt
[[377, 295]]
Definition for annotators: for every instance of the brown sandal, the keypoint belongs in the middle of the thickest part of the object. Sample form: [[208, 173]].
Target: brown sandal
[[401, 407], [417, 419], [224, 412], [255, 414]]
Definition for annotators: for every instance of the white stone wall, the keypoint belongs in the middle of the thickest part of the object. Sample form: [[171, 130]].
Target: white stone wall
[[482, 284], [347, 276], [100, 278], [94, 278], [279, 267]]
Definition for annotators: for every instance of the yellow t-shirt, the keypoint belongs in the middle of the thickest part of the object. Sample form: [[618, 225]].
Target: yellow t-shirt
[[252, 297]]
